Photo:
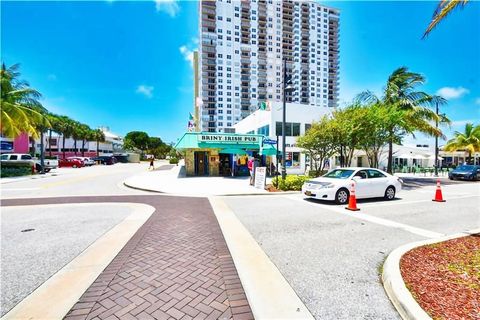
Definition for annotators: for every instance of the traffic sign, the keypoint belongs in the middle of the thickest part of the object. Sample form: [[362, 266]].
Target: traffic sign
[[269, 141]]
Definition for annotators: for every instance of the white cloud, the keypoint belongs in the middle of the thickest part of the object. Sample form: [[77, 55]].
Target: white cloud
[[147, 91], [170, 7], [452, 93], [460, 123], [187, 54], [477, 101]]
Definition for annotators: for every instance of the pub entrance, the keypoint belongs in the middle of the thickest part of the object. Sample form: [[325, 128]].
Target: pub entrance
[[201, 163], [225, 164]]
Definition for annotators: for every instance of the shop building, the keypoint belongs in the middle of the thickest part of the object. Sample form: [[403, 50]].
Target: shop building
[[222, 154], [299, 118]]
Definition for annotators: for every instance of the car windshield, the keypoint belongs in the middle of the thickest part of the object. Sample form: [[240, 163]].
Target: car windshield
[[465, 168], [339, 174]]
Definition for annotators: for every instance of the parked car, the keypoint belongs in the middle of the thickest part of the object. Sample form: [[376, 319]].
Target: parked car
[[86, 160], [107, 160], [49, 164], [72, 163], [465, 172], [336, 184]]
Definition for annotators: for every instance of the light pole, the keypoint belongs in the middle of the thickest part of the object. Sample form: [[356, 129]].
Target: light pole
[[287, 86], [436, 140]]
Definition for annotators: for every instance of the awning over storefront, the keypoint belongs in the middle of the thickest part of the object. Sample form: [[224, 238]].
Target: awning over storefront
[[224, 141]]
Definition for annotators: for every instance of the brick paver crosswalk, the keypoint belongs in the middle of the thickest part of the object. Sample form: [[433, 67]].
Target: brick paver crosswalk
[[177, 266]]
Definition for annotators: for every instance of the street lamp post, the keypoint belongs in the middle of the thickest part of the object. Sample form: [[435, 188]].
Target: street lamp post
[[287, 87], [436, 140]]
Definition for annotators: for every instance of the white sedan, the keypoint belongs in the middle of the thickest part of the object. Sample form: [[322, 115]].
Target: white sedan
[[336, 185]]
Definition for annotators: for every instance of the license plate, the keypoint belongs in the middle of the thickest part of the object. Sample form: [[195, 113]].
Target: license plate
[[308, 193]]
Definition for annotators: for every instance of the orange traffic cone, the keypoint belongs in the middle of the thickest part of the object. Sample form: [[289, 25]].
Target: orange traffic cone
[[438, 193], [33, 169], [352, 201]]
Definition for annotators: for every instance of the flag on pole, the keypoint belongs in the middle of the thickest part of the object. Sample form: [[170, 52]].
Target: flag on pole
[[190, 116]]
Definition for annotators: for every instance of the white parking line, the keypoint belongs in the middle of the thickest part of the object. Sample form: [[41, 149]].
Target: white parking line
[[397, 202], [384, 222]]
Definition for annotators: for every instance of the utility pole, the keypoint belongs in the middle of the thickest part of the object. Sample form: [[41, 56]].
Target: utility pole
[[287, 86]]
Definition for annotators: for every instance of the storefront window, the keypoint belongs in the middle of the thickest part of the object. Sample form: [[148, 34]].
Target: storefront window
[[296, 159]]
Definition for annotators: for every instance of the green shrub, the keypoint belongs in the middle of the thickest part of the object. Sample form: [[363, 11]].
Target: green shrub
[[315, 174], [173, 161], [15, 169], [291, 182]]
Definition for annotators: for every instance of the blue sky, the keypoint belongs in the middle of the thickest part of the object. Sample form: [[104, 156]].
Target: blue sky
[[126, 64]]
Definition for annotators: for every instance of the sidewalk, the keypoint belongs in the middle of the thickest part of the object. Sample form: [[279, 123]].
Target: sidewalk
[[172, 180], [176, 266]]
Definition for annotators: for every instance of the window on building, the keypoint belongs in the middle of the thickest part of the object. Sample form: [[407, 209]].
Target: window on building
[[265, 130], [291, 129], [307, 126]]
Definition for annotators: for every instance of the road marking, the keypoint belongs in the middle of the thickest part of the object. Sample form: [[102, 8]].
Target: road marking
[[384, 222], [397, 202]]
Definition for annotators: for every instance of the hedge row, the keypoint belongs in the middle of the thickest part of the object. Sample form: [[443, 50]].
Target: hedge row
[[291, 182], [15, 169]]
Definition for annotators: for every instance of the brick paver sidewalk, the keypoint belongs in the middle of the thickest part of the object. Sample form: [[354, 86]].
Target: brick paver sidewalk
[[177, 266]]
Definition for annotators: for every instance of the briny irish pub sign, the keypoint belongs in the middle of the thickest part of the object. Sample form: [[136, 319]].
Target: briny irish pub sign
[[223, 138]]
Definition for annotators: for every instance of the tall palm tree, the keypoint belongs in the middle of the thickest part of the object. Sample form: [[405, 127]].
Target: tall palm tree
[[20, 108], [469, 140], [85, 133], [54, 127], [443, 9], [65, 126], [98, 136], [76, 133], [408, 108]]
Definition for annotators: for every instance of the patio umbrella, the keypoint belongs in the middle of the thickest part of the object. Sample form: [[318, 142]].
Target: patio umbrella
[[404, 156]]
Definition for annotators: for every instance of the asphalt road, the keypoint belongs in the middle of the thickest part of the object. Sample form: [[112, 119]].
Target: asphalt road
[[95, 180], [38, 241], [332, 257]]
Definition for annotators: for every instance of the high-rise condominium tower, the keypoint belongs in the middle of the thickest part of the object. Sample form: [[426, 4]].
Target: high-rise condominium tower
[[241, 52]]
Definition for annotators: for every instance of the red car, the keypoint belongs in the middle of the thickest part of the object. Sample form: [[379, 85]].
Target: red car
[[73, 163]]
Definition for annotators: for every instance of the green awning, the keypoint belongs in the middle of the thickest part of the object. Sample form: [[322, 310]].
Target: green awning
[[233, 151], [199, 140], [268, 150]]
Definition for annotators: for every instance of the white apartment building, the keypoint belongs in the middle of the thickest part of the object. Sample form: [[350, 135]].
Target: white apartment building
[[269, 123], [242, 48]]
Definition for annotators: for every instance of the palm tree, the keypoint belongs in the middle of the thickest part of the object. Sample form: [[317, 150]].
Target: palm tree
[[469, 140], [443, 9], [98, 136], [408, 108], [85, 133], [20, 108], [76, 133], [65, 126], [54, 126]]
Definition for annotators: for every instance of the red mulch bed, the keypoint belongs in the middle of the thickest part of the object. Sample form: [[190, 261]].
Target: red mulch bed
[[444, 278]]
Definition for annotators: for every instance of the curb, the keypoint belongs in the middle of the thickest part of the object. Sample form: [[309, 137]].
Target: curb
[[211, 195], [399, 295], [269, 294]]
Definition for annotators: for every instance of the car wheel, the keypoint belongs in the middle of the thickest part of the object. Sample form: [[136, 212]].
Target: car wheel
[[341, 197], [390, 193]]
